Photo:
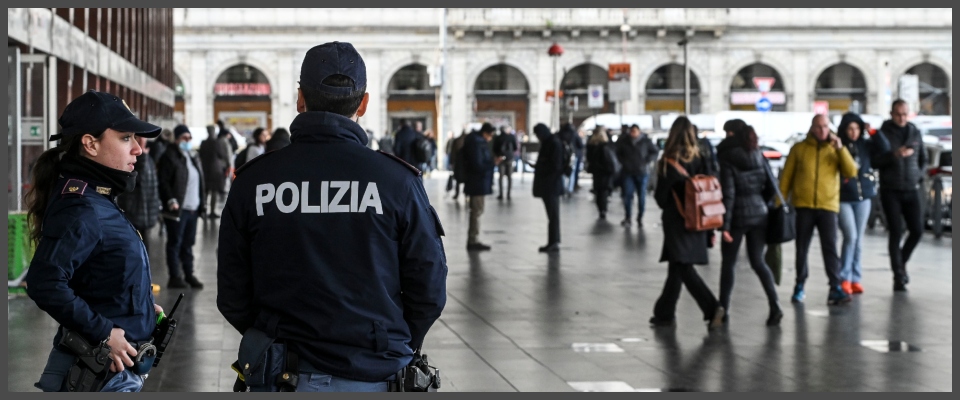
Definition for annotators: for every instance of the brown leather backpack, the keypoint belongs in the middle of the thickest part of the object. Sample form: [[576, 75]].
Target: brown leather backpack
[[703, 207]]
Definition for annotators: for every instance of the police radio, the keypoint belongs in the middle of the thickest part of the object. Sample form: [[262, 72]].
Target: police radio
[[162, 334]]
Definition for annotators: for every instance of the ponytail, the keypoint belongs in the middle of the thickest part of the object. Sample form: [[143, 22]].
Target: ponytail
[[44, 175]]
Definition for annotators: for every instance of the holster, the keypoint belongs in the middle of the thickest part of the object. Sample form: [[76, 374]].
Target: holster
[[418, 376], [91, 368], [250, 358]]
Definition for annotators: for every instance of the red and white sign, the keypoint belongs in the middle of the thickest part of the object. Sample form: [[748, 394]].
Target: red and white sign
[[550, 95], [751, 98], [821, 107], [241, 89], [764, 83]]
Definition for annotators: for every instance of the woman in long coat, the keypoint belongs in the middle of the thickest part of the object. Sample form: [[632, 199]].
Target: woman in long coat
[[682, 248]]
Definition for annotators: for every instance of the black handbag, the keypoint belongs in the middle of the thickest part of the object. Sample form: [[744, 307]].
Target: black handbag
[[782, 219]]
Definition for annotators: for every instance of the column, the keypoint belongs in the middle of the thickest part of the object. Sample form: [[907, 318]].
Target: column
[[802, 100], [718, 96], [373, 119], [199, 105], [284, 107], [544, 81], [884, 86], [460, 110]]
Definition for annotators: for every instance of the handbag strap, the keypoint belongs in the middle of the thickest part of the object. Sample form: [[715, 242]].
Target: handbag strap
[[783, 203]]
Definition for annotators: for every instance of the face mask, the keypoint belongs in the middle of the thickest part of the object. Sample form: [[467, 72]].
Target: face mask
[[185, 146]]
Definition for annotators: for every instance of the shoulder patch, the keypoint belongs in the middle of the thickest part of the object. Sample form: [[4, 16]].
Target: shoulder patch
[[74, 186], [250, 162], [413, 169]]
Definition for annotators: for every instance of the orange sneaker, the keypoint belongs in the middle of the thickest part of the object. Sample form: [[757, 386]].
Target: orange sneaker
[[845, 285], [856, 287]]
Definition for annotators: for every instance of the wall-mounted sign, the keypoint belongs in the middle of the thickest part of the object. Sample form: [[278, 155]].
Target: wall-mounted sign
[[618, 71], [241, 89], [744, 98]]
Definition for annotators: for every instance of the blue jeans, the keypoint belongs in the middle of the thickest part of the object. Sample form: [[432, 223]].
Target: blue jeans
[[54, 376], [312, 381], [631, 184], [181, 235], [571, 183], [853, 222]]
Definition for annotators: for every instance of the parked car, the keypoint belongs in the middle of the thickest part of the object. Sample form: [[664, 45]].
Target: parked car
[[937, 191]]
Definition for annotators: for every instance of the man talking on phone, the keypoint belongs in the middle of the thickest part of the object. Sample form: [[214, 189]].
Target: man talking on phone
[[811, 182], [901, 170]]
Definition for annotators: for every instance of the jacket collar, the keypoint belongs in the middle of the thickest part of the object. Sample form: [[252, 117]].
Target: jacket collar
[[812, 140], [320, 126]]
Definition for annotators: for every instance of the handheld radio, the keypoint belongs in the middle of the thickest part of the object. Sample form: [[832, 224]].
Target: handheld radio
[[163, 333]]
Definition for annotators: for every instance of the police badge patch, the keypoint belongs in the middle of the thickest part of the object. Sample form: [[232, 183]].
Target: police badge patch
[[74, 186]]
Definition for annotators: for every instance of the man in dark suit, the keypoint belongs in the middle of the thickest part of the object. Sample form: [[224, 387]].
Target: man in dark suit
[[548, 182]]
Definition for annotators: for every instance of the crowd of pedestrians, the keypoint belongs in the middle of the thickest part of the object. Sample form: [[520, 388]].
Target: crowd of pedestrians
[[828, 180]]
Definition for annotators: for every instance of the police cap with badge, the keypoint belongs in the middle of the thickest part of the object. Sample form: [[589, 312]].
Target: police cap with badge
[[94, 112]]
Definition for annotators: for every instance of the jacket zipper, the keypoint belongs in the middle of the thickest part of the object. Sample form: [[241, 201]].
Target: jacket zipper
[[859, 188], [816, 178]]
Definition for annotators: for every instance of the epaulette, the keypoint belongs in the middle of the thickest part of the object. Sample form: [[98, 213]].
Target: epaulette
[[415, 170], [74, 186], [249, 162]]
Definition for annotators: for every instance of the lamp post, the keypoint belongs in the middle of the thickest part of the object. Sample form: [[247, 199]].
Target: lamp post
[[686, 78], [555, 52]]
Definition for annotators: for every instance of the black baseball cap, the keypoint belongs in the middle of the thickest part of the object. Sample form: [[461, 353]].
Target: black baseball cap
[[334, 58], [94, 112]]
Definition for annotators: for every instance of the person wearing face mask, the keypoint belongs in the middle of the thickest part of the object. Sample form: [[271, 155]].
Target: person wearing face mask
[[181, 193], [90, 271]]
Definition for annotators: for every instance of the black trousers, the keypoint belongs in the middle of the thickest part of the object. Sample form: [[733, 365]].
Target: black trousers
[[601, 191], [552, 204], [756, 240], [826, 224], [906, 203], [214, 203], [679, 275]]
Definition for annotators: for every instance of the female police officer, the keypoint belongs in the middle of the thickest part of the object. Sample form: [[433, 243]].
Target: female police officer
[[91, 272]]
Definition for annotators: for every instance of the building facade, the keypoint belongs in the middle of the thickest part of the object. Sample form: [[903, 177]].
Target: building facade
[[244, 63], [56, 54]]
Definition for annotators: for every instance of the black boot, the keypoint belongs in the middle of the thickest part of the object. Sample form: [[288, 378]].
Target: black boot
[[776, 314]]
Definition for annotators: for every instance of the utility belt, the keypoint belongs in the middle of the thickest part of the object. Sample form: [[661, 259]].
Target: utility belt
[[418, 376], [91, 369]]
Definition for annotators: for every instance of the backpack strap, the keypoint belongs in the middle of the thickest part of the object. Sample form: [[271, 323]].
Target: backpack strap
[[682, 171], [678, 167]]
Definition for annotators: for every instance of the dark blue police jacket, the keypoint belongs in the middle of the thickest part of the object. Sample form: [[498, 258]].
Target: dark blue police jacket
[[91, 271], [478, 165], [334, 249]]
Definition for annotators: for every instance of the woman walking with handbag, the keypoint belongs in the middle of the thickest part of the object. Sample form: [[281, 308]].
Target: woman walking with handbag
[[682, 248], [748, 185]]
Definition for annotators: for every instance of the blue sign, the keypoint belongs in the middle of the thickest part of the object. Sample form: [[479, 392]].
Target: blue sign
[[764, 104]]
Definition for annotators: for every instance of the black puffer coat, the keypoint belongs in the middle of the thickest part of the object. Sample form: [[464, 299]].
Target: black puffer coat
[[747, 184], [898, 173]]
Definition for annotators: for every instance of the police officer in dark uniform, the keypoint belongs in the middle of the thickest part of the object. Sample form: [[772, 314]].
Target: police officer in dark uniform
[[90, 271], [330, 260]]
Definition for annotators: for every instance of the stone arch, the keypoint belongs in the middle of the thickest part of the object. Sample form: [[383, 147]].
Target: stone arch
[[264, 69], [475, 72], [651, 68], [392, 69], [911, 62], [775, 65], [869, 76]]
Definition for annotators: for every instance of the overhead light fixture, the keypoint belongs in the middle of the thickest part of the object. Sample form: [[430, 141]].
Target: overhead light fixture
[[624, 28]]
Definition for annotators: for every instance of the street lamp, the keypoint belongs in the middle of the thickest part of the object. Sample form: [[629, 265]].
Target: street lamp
[[686, 78], [555, 52]]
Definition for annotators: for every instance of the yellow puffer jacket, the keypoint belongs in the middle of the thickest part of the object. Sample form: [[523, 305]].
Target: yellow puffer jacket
[[811, 177]]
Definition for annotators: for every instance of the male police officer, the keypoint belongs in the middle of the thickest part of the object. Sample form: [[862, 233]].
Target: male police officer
[[329, 250]]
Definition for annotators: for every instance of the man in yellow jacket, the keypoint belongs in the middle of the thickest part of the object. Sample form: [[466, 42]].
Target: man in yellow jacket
[[811, 180]]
